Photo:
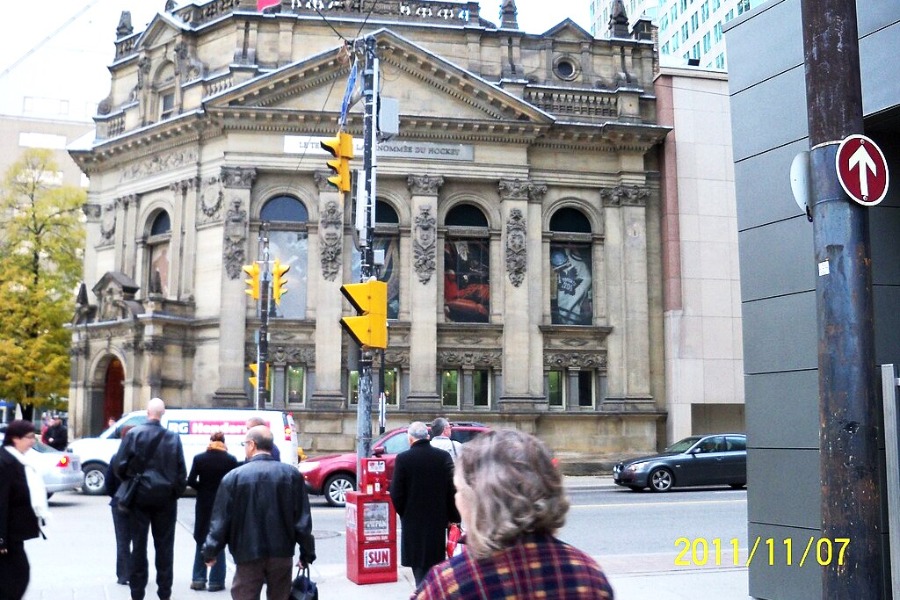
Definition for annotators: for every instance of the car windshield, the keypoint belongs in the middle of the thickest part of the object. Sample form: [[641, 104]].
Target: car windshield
[[42, 447], [395, 444], [683, 445]]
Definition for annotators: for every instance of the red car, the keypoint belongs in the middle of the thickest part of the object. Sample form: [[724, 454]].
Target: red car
[[335, 475]]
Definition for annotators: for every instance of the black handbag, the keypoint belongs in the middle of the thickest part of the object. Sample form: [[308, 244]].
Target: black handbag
[[303, 587]]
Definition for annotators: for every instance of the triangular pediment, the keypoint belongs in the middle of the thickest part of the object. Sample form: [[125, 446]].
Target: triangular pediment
[[161, 30], [424, 83], [568, 30]]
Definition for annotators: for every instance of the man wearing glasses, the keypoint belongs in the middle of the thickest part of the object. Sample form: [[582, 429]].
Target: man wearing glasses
[[262, 546]]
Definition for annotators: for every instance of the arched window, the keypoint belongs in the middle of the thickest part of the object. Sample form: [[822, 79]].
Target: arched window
[[164, 84], [288, 242], [158, 253], [571, 285], [467, 266]]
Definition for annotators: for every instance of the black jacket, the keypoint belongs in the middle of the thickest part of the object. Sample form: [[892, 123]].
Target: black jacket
[[261, 511], [58, 437], [206, 474], [165, 470], [17, 519], [422, 492]]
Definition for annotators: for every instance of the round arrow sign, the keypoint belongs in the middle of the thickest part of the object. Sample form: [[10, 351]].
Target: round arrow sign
[[862, 170]]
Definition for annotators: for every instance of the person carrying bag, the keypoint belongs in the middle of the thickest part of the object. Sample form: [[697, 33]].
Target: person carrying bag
[[126, 495]]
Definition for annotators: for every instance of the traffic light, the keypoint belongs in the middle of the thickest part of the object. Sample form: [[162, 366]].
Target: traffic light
[[254, 379], [370, 299], [279, 280], [341, 148], [252, 283]]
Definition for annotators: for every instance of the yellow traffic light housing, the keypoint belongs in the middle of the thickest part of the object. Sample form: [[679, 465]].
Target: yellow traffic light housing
[[341, 148], [370, 300], [253, 283], [279, 280], [254, 379]]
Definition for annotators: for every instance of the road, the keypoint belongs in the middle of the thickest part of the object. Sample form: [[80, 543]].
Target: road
[[632, 535]]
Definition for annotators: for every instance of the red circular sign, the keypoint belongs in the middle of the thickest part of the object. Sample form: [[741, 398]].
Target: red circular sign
[[862, 170]]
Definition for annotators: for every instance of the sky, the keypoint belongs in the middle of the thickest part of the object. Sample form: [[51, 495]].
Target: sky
[[58, 57]]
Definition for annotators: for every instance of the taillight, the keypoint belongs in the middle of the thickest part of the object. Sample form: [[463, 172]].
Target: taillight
[[63, 462]]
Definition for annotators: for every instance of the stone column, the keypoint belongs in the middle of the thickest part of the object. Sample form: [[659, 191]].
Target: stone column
[[237, 182], [423, 301], [521, 283], [326, 275], [127, 236]]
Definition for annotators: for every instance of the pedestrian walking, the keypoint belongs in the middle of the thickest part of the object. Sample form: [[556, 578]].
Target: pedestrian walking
[[21, 489], [511, 496], [422, 492], [121, 522], [440, 437], [155, 456], [57, 434], [206, 474], [262, 513], [256, 422]]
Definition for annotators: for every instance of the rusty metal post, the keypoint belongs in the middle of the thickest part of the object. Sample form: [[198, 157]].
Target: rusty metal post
[[848, 415]]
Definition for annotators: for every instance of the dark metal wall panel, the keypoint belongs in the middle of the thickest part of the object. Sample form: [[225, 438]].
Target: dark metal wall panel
[[780, 334], [763, 185], [783, 487], [764, 116], [783, 28], [778, 409], [777, 581], [877, 57], [788, 270]]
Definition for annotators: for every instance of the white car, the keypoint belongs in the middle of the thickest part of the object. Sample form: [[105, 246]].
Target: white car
[[61, 471]]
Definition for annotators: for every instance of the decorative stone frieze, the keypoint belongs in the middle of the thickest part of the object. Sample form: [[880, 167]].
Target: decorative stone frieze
[[470, 358], [331, 234], [235, 236], [515, 247], [293, 355], [238, 177], [212, 197], [575, 360], [622, 195], [425, 244], [159, 163], [516, 189], [424, 185]]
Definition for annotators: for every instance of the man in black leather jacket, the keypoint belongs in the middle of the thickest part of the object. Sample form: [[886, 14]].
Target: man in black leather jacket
[[262, 546], [164, 478]]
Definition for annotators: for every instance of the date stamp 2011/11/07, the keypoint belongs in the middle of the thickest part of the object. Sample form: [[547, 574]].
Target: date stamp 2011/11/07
[[699, 552]]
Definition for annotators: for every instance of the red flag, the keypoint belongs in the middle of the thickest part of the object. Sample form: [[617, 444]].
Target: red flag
[[261, 4]]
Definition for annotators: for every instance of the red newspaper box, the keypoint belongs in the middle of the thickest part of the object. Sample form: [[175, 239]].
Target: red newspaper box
[[373, 476], [371, 538]]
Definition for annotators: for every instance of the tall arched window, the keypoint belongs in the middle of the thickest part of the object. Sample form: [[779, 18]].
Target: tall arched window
[[571, 285], [467, 266], [387, 259], [288, 242], [158, 253]]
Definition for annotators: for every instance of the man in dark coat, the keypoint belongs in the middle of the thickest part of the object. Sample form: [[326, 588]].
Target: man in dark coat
[[163, 480], [57, 435], [422, 492], [206, 474]]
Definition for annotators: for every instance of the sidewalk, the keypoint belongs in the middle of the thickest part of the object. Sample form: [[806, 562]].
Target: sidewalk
[[77, 561]]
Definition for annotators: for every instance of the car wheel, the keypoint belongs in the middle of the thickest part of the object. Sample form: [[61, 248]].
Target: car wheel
[[635, 488], [661, 480], [94, 479], [336, 488]]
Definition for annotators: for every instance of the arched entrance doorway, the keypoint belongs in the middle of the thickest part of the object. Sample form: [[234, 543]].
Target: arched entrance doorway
[[113, 390]]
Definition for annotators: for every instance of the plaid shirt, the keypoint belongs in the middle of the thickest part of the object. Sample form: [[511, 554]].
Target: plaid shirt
[[539, 566]]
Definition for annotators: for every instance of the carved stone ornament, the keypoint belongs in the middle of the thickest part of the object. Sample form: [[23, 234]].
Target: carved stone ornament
[[331, 235], [452, 358], [322, 183], [575, 360], [625, 195], [515, 189], [108, 222], [515, 247], [238, 177], [292, 355], [159, 163], [424, 185], [91, 211], [235, 236], [187, 65], [425, 244], [211, 199]]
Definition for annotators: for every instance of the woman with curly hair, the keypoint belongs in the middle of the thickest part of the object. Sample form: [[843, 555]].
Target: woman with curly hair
[[511, 497]]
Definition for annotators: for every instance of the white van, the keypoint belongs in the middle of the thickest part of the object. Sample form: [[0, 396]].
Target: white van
[[194, 425]]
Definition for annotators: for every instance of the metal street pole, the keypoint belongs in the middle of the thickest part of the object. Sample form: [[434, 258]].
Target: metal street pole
[[367, 269], [262, 353], [851, 498]]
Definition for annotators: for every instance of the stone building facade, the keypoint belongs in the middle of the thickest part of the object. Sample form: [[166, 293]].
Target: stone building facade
[[517, 208]]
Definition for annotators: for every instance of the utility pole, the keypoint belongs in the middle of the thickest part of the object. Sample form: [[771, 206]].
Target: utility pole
[[262, 347], [367, 269], [851, 498]]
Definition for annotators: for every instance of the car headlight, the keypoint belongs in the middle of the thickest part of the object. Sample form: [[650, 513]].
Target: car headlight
[[307, 465], [635, 467]]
